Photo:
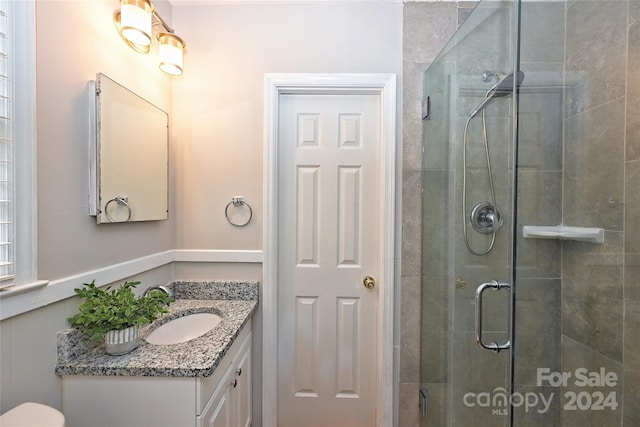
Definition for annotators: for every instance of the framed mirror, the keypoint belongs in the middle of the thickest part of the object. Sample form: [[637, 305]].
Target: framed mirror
[[129, 155]]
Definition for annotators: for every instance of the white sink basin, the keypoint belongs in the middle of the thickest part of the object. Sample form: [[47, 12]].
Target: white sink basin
[[183, 329]]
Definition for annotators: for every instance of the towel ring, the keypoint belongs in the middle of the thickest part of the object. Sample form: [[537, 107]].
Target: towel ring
[[238, 201], [121, 200]]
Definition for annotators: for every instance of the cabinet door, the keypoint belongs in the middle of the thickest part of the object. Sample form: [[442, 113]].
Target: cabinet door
[[219, 410], [242, 393]]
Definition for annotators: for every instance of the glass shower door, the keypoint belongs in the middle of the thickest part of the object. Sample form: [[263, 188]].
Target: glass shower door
[[467, 222], [531, 218]]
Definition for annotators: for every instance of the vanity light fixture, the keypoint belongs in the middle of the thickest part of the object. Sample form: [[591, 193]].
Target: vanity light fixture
[[134, 22], [170, 51]]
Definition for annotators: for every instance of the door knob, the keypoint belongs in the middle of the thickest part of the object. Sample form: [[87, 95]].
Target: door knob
[[369, 282]]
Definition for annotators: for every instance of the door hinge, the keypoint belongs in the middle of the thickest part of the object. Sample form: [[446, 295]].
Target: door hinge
[[424, 395], [426, 108]]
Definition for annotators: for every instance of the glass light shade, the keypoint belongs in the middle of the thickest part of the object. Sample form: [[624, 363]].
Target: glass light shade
[[170, 51], [136, 21]]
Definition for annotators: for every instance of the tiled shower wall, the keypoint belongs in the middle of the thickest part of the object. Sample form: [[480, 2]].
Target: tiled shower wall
[[631, 288], [591, 314], [601, 284]]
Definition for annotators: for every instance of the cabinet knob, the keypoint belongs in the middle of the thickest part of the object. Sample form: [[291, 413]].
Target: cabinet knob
[[239, 371], [234, 383]]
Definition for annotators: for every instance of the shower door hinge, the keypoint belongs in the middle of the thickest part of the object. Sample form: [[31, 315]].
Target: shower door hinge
[[426, 108], [424, 394]]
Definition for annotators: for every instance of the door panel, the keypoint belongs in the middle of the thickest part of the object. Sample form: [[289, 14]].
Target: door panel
[[306, 347], [347, 349], [307, 217], [349, 216], [328, 204]]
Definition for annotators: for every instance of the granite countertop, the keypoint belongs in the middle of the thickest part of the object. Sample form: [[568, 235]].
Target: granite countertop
[[235, 302]]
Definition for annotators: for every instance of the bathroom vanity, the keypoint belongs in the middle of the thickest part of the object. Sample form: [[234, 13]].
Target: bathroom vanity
[[205, 381]]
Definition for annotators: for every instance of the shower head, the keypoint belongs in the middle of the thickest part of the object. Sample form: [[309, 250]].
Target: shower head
[[503, 87]]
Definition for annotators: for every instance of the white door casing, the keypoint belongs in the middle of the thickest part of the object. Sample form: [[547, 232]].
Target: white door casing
[[380, 299]]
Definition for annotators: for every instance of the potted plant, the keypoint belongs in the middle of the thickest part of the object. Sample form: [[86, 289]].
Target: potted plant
[[117, 314]]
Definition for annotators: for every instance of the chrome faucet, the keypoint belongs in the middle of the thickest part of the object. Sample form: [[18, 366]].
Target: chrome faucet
[[162, 288]]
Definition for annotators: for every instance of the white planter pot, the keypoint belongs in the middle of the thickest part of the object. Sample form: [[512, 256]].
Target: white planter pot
[[122, 341]]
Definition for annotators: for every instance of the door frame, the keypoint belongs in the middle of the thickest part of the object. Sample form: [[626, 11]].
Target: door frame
[[274, 86]]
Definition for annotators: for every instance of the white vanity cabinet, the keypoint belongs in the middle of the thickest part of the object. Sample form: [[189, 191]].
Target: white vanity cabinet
[[230, 403], [222, 399]]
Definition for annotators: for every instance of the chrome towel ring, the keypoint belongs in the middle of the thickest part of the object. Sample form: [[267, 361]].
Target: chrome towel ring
[[238, 201], [121, 200]]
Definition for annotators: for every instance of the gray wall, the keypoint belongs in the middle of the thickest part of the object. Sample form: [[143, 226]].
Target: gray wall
[[219, 104], [577, 303], [216, 144], [69, 241], [75, 40], [600, 310], [631, 287]]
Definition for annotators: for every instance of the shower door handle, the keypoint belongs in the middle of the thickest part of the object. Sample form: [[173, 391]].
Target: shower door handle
[[493, 346]]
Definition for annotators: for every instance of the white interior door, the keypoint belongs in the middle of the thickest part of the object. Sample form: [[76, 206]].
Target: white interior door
[[329, 194]]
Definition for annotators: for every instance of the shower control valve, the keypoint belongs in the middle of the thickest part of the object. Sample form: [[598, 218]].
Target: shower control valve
[[485, 218]]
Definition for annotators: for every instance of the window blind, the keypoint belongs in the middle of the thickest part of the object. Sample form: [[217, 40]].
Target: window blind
[[7, 197]]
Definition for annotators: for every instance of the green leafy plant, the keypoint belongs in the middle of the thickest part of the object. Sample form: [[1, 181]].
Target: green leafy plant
[[116, 309]]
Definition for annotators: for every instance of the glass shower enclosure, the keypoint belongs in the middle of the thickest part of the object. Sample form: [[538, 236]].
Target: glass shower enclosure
[[531, 223]]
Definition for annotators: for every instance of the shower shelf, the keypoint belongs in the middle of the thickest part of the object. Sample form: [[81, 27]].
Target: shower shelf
[[564, 232]]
